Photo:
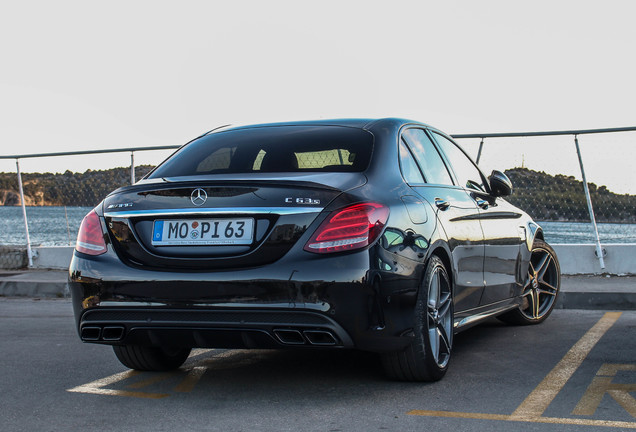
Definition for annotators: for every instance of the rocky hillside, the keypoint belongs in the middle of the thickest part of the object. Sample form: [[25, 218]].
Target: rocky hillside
[[561, 198], [543, 196], [68, 189]]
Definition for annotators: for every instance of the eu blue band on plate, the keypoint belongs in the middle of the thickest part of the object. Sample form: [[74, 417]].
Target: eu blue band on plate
[[158, 232]]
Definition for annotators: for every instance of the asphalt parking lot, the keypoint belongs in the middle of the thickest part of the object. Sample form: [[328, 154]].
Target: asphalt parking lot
[[574, 372]]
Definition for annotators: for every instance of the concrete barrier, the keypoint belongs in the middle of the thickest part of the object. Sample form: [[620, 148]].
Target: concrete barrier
[[52, 257], [620, 259]]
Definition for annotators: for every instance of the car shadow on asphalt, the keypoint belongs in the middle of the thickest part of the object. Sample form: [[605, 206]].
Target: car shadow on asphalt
[[316, 367]]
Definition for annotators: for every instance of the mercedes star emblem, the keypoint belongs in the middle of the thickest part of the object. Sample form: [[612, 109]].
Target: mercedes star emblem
[[198, 197]]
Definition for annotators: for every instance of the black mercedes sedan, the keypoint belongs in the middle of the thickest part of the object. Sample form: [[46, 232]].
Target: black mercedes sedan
[[378, 235]]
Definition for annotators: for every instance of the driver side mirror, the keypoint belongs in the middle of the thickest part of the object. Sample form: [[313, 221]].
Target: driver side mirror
[[500, 184]]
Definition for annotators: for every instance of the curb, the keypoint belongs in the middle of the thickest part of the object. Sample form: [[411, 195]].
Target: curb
[[596, 300], [33, 289], [34, 283]]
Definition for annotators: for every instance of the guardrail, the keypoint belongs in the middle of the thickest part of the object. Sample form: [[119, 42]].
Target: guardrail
[[481, 136], [17, 158], [575, 134]]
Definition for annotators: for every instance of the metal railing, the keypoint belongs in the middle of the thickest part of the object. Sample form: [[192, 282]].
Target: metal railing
[[482, 137], [17, 158], [575, 134]]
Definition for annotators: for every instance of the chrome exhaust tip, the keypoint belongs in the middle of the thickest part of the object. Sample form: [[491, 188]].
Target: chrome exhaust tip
[[320, 337], [91, 333], [290, 337]]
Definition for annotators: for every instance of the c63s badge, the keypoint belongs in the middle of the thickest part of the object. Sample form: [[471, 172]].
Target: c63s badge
[[291, 200], [121, 205]]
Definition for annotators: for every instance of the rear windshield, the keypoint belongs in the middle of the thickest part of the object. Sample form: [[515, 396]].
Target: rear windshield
[[272, 149]]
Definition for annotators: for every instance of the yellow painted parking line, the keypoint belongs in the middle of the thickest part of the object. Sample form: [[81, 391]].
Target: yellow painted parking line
[[532, 408], [196, 352], [100, 386], [193, 377], [611, 369], [601, 384], [548, 420], [454, 414], [152, 379], [625, 400], [543, 395]]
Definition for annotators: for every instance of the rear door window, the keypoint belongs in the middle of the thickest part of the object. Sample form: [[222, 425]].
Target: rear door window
[[410, 170], [427, 157]]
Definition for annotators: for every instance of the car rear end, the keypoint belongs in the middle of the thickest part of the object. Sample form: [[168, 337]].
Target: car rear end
[[254, 237]]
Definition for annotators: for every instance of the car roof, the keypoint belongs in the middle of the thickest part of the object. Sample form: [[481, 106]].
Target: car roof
[[359, 123]]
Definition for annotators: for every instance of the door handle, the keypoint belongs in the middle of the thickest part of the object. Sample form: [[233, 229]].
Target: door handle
[[482, 203], [441, 204]]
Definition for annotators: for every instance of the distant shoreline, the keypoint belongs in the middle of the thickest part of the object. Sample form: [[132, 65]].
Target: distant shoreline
[[543, 196]]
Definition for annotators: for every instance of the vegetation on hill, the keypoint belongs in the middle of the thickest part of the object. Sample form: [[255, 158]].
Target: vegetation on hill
[[67, 189], [543, 196], [561, 198]]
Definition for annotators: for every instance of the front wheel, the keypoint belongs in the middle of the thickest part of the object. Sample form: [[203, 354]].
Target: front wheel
[[155, 359], [427, 357], [541, 288]]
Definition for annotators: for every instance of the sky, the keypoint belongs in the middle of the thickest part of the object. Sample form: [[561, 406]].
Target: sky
[[79, 75]]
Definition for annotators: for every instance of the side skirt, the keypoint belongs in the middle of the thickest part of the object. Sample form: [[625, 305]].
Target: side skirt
[[469, 318]]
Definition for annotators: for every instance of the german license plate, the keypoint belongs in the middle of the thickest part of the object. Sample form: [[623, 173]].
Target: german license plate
[[203, 232]]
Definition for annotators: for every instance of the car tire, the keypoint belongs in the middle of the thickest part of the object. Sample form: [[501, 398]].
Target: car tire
[[428, 355], [541, 288], [145, 358]]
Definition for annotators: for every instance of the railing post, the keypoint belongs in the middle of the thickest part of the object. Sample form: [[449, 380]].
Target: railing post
[[481, 147], [599, 249], [24, 215], [132, 167]]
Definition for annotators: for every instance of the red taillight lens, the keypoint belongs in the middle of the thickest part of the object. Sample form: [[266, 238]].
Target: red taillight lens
[[90, 239], [353, 227]]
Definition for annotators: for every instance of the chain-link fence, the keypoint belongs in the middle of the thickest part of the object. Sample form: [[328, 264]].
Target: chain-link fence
[[545, 172]]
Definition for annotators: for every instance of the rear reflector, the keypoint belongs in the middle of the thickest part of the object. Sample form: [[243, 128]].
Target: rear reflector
[[353, 227], [90, 239]]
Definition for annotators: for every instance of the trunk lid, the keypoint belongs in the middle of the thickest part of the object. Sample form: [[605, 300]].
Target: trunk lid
[[218, 222]]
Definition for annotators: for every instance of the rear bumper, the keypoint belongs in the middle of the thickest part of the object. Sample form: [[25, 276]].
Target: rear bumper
[[210, 328], [330, 302]]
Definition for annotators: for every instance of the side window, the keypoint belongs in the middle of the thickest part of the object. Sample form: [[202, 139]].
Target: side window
[[410, 171], [427, 157], [467, 173]]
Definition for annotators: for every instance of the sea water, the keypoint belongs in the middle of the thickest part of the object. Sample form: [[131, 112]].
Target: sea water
[[58, 226], [48, 226]]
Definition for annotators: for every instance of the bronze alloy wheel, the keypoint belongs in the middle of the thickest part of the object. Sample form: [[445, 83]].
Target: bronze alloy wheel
[[541, 288]]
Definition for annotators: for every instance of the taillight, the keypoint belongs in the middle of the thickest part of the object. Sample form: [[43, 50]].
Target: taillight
[[90, 239], [351, 228]]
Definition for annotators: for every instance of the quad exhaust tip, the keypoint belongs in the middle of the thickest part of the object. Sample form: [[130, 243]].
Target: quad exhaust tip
[[284, 336], [91, 333], [290, 337], [320, 337], [113, 333], [306, 337], [107, 334]]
